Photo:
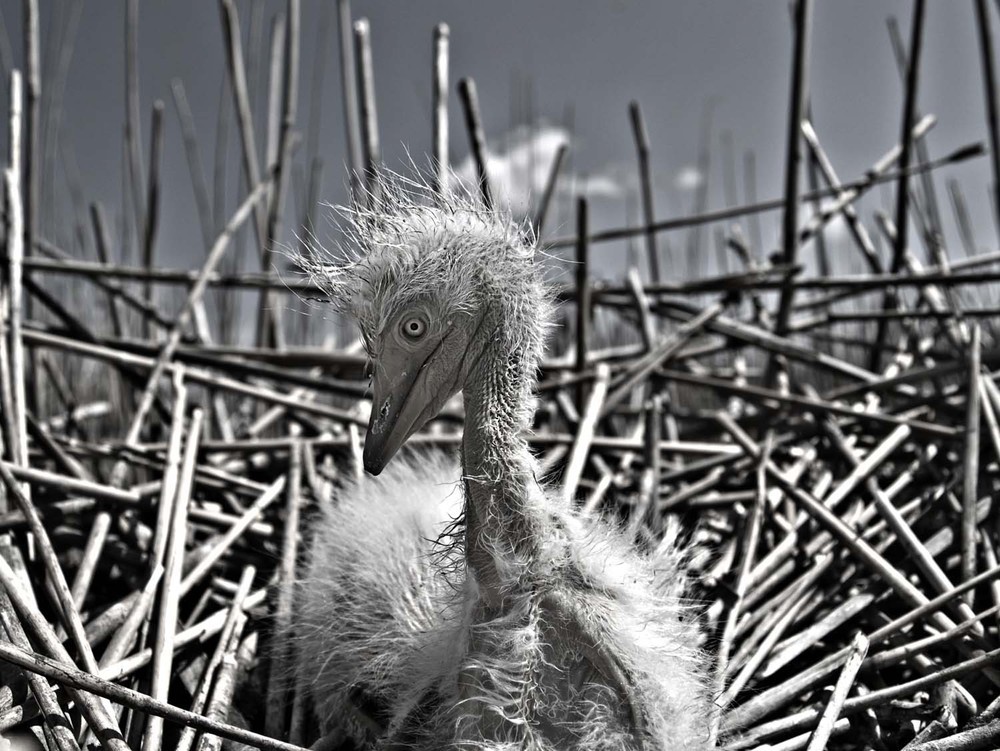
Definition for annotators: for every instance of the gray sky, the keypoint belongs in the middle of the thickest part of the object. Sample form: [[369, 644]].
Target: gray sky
[[588, 56]]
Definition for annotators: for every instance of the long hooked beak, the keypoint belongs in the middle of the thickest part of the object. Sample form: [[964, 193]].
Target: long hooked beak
[[407, 392]]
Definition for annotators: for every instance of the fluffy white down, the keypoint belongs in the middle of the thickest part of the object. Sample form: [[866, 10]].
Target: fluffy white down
[[384, 610]]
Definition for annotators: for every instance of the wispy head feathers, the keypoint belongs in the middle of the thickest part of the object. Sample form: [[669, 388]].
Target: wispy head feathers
[[412, 245]]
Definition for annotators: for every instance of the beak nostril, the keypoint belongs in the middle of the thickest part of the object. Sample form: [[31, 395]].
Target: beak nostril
[[383, 413]]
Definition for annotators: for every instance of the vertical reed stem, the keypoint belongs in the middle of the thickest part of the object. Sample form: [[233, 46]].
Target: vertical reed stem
[[646, 185], [477, 137], [349, 95], [440, 99], [583, 297], [32, 156], [152, 205], [371, 149], [793, 157], [17, 233], [902, 219]]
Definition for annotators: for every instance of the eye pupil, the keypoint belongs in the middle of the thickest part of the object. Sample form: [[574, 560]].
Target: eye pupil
[[414, 327]]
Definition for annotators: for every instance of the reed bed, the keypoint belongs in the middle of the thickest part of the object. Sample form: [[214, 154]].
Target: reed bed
[[828, 444]]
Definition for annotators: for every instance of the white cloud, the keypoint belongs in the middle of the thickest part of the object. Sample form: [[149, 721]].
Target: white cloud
[[598, 186], [688, 178], [517, 172], [520, 167]]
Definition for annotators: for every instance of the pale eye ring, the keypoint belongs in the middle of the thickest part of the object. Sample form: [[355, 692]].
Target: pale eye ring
[[413, 327]]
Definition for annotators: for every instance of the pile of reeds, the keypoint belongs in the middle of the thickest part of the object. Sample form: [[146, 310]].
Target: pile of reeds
[[830, 444]]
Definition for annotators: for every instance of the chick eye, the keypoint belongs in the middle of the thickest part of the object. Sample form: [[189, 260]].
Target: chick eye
[[414, 328]]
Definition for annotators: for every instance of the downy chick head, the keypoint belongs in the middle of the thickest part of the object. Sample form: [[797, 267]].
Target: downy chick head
[[433, 285]]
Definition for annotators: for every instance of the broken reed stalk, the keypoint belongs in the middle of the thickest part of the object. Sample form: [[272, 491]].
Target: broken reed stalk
[[812, 175], [439, 100], [133, 128], [793, 156], [858, 232], [17, 234], [926, 200], [349, 97], [371, 147], [33, 152], [902, 217], [646, 186], [538, 222], [477, 137], [152, 213], [583, 305]]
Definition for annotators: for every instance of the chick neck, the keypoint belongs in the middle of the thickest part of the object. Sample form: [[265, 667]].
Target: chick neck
[[502, 513]]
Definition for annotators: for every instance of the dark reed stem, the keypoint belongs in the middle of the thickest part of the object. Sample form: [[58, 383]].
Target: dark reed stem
[[646, 186], [477, 136], [929, 203], [793, 157], [902, 184], [152, 214], [583, 306], [538, 222]]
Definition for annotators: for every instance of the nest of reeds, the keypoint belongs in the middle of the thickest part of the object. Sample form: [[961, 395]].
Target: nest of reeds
[[830, 443]]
